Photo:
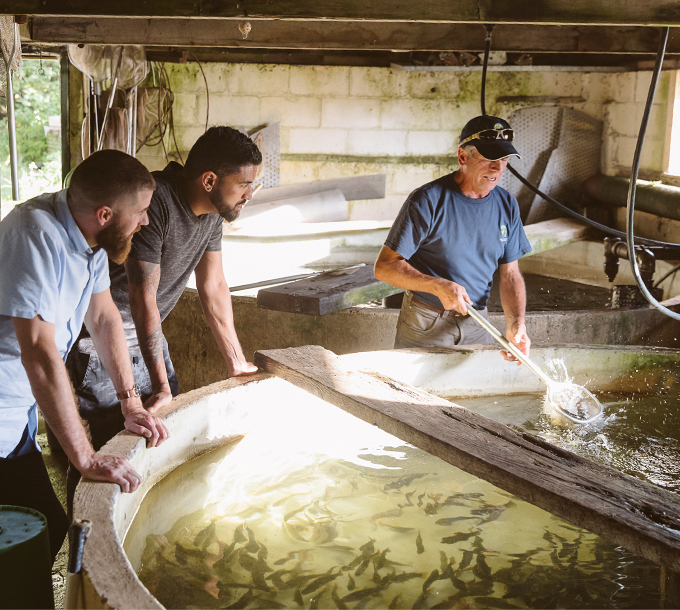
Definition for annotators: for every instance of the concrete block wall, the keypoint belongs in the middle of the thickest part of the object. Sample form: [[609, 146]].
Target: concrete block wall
[[343, 121]]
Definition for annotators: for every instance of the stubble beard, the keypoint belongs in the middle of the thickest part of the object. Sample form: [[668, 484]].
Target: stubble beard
[[230, 214]]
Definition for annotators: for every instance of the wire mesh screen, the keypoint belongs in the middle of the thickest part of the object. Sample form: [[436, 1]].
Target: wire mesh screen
[[6, 45]]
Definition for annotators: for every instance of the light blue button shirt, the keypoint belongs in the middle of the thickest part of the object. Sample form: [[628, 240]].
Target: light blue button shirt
[[46, 268]]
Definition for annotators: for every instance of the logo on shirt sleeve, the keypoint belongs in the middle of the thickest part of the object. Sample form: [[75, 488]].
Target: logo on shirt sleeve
[[504, 233]]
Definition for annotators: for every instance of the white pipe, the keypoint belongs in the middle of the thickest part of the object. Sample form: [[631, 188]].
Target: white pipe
[[11, 125]]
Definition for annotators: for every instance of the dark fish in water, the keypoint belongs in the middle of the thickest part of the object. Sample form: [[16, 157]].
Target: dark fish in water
[[287, 558], [443, 560], [459, 584], [395, 602], [262, 553], [299, 581], [420, 499], [454, 501], [336, 599], [270, 603], [478, 544], [419, 544], [239, 534], [314, 602], [397, 528], [467, 558], [449, 602], [493, 602], [252, 546], [376, 575], [458, 537], [434, 575], [351, 585], [355, 562], [403, 481], [247, 561], [380, 561], [298, 598], [368, 547], [481, 569], [451, 520], [319, 582], [395, 512], [339, 547], [205, 537], [326, 533], [408, 498], [421, 601], [432, 509], [181, 554], [277, 579], [361, 594], [362, 568], [243, 601], [404, 576]]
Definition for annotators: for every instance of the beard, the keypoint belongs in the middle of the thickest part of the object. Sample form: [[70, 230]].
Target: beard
[[230, 214], [116, 243]]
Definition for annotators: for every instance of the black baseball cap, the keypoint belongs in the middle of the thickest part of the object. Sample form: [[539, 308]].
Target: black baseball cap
[[494, 137]]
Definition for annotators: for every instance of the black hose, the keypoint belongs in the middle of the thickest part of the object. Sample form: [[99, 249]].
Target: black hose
[[630, 206], [563, 208], [665, 276], [489, 28]]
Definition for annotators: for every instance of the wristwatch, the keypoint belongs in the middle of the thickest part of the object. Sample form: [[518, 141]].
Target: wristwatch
[[129, 393]]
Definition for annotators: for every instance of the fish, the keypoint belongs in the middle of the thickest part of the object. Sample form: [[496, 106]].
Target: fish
[[362, 568], [420, 602], [340, 547], [434, 575], [481, 569], [299, 581], [443, 560], [277, 579], [239, 534], [336, 599], [361, 594], [494, 602], [262, 553], [395, 602], [293, 531], [205, 537], [432, 509], [454, 501], [270, 603], [395, 512], [459, 537], [368, 547], [298, 598], [404, 576], [450, 602], [325, 533], [294, 512], [287, 558], [181, 554], [377, 579], [351, 585], [450, 520], [252, 546], [243, 601], [398, 528], [419, 544], [465, 562], [354, 563], [408, 499], [380, 561], [319, 582], [420, 499], [403, 481]]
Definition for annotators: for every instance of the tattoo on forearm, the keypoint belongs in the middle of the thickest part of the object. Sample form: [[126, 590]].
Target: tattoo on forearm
[[144, 275], [152, 345]]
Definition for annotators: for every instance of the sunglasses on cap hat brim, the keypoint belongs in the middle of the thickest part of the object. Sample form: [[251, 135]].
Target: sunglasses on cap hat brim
[[490, 134]]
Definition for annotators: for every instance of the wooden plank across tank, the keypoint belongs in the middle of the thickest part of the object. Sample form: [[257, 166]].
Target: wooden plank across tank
[[327, 292], [630, 512]]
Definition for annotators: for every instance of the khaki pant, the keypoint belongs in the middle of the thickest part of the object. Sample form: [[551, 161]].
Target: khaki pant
[[422, 327]]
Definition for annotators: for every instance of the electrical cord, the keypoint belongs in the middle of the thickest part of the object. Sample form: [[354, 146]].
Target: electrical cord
[[667, 275], [563, 208]]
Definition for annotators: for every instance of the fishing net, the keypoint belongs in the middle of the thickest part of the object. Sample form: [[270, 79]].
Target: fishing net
[[104, 62], [7, 45]]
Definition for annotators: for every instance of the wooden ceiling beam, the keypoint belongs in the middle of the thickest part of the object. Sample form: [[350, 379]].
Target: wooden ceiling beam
[[342, 35], [583, 12]]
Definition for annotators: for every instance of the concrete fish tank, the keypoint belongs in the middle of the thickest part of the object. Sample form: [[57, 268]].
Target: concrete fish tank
[[432, 478]]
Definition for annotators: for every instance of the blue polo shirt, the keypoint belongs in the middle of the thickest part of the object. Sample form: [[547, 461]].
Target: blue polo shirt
[[46, 269], [443, 233]]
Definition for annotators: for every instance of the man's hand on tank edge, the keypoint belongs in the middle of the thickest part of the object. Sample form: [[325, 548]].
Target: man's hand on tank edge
[[242, 368], [111, 469], [139, 421]]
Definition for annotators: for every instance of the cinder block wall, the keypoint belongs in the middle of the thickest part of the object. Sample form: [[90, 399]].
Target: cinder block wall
[[343, 121]]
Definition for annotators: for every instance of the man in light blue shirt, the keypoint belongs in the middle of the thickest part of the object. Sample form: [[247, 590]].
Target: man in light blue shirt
[[53, 277]]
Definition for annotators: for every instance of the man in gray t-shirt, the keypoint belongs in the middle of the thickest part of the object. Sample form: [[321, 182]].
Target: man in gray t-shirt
[[184, 235]]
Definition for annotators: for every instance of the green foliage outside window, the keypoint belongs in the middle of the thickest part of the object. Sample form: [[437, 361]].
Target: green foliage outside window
[[36, 98]]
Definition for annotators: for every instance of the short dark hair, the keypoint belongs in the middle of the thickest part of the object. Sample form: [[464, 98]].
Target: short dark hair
[[223, 151], [105, 176]]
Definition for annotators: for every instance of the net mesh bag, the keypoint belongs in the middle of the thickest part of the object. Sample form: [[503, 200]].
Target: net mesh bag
[[6, 45]]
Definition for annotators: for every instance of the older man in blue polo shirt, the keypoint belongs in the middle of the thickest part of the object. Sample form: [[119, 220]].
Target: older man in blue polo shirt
[[54, 276], [449, 239]]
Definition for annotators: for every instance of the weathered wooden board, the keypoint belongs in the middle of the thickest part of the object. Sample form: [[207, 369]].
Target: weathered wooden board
[[326, 293], [630, 512], [651, 12], [346, 35], [353, 188], [550, 234]]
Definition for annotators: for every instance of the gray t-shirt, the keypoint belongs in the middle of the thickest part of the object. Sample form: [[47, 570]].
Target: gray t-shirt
[[175, 238]]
